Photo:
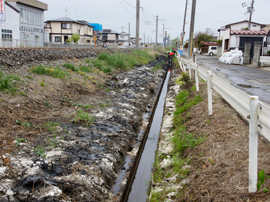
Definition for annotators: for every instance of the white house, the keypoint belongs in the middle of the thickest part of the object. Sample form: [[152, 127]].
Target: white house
[[236, 34], [10, 33], [30, 22]]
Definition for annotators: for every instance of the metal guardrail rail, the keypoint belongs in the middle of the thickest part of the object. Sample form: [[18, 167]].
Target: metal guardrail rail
[[249, 107]]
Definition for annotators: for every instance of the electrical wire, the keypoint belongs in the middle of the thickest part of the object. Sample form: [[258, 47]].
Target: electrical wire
[[124, 9]]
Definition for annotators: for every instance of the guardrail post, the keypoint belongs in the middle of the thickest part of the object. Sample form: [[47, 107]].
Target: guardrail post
[[189, 69], [209, 90], [253, 143], [196, 78]]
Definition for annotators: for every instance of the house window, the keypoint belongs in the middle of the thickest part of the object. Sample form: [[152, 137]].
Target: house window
[[253, 25], [36, 37], [57, 39], [30, 17], [6, 35], [66, 26], [87, 41]]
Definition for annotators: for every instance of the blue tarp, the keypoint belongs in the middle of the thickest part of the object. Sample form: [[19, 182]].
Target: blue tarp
[[97, 27]]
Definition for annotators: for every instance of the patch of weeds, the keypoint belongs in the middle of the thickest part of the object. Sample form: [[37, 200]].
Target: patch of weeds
[[193, 88], [86, 69], [201, 154], [183, 104], [18, 141], [104, 104], [157, 67], [71, 67], [48, 104], [100, 85], [158, 172], [261, 177], [40, 152], [87, 60], [51, 126], [53, 142], [29, 77], [26, 124], [42, 83], [55, 72], [185, 77], [207, 121], [9, 82], [83, 117], [211, 161], [107, 90]]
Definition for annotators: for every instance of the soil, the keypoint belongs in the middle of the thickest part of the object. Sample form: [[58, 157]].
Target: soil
[[218, 170], [61, 157], [219, 167]]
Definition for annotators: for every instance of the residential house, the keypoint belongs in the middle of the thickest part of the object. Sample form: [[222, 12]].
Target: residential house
[[31, 20], [109, 37], [236, 34], [61, 29], [124, 39], [10, 32]]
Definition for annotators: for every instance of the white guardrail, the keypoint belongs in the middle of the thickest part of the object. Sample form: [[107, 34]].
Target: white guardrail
[[249, 107]]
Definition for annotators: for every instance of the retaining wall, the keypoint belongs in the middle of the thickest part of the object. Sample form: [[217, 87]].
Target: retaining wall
[[21, 56]]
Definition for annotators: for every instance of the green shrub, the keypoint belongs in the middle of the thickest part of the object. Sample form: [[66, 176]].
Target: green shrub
[[71, 67], [56, 72], [8, 82]]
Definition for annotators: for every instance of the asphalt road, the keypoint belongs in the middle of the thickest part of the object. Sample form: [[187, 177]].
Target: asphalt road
[[253, 81]]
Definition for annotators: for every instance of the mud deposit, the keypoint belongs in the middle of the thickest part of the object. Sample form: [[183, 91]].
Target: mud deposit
[[83, 164]]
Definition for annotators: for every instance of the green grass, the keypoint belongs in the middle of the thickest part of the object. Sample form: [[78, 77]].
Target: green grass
[[71, 67], [85, 69], [107, 62], [183, 104], [55, 72], [83, 117], [9, 82], [157, 67], [51, 126]]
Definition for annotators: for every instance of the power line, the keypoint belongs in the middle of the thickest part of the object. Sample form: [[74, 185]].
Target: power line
[[124, 9], [129, 4]]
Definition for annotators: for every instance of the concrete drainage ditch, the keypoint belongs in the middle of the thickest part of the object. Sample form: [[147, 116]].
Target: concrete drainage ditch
[[88, 160]]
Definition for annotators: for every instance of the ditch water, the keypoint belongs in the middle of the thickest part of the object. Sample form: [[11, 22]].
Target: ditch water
[[138, 190]]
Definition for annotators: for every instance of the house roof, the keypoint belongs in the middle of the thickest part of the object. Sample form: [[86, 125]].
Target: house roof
[[33, 3], [66, 19], [15, 9], [209, 43], [85, 23], [221, 28], [248, 32], [244, 21]]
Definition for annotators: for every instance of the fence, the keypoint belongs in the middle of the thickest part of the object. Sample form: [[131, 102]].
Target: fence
[[249, 107]]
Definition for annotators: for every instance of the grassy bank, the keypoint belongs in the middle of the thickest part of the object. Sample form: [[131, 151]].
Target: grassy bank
[[173, 165]]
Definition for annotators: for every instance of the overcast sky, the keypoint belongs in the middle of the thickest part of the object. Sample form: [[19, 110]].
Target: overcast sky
[[115, 14]]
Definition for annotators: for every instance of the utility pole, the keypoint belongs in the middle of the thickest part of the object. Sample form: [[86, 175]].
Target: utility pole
[[137, 24], [143, 38], [148, 39], [163, 39], [128, 33], [184, 24], [122, 32], [169, 40], [157, 30], [250, 15], [190, 43]]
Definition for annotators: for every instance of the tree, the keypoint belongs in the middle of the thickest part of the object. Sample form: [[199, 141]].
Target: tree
[[201, 36], [74, 38]]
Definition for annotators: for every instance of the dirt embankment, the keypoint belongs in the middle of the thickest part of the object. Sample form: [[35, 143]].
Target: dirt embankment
[[218, 168], [65, 139]]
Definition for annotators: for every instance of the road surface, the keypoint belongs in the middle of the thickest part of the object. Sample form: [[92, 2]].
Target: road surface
[[253, 81]]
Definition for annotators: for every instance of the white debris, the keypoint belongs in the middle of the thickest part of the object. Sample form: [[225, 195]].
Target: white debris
[[232, 57]]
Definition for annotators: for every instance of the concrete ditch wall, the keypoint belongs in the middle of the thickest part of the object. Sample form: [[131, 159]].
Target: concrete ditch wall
[[21, 56]]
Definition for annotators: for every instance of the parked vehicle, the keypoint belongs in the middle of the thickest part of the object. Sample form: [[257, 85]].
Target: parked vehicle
[[212, 50]]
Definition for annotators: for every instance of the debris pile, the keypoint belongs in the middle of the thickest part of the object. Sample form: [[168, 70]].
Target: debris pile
[[232, 57]]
